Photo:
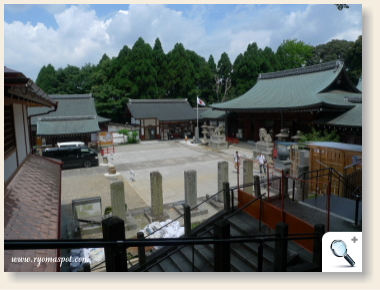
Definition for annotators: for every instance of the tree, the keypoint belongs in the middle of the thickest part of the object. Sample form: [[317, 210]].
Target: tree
[[138, 76], [341, 6], [293, 54], [110, 102], [354, 61], [332, 50], [160, 64], [181, 73], [47, 79], [223, 77]]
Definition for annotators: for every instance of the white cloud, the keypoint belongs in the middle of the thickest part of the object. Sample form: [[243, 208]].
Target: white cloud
[[83, 37]]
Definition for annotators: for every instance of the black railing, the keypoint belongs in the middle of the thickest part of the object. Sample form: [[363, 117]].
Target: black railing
[[124, 244], [330, 173], [116, 246]]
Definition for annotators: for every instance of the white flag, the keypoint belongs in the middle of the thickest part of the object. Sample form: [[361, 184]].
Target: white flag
[[200, 102]]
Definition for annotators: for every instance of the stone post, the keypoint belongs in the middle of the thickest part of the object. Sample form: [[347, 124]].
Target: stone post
[[191, 188], [157, 200], [248, 175], [257, 184], [222, 178], [118, 199]]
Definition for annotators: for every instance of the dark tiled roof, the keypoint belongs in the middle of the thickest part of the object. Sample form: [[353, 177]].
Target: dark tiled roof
[[31, 211], [16, 84], [163, 110], [76, 114]]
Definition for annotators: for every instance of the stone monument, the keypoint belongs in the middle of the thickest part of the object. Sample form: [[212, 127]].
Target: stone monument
[[119, 207], [204, 132], [218, 137], [264, 145], [156, 213], [191, 195]]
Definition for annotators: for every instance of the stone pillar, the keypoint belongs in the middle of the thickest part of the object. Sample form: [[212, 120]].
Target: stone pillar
[[248, 175], [157, 200], [257, 186], [222, 178], [191, 188], [118, 199]]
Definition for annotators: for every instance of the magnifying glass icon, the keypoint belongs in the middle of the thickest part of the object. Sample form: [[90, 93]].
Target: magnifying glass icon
[[339, 249]]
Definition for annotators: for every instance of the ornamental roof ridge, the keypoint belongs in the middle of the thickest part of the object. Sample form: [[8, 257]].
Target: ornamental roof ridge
[[147, 101], [67, 118], [73, 96], [303, 70], [353, 99]]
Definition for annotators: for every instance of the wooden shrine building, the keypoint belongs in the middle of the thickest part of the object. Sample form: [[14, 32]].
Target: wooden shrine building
[[320, 96]]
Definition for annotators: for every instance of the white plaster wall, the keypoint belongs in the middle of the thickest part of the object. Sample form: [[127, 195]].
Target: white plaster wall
[[134, 121], [21, 132]]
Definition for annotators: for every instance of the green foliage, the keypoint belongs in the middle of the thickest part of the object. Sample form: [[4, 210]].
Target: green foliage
[[333, 50], [341, 6], [293, 54], [131, 135], [315, 135], [108, 210], [143, 72], [354, 61], [47, 79]]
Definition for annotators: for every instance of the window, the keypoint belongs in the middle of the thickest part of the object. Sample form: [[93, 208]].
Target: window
[[9, 130]]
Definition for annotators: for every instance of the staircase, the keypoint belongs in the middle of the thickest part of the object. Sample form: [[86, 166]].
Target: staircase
[[243, 256]]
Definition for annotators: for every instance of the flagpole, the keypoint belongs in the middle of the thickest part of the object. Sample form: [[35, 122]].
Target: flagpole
[[197, 112]]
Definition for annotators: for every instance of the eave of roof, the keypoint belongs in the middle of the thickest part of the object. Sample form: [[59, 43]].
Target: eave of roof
[[351, 118], [336, 145], [25, 89], [52, 126], [209, 113]]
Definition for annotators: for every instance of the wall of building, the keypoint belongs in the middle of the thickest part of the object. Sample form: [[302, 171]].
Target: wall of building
[[10, 166], [12, 162], [22, 133]]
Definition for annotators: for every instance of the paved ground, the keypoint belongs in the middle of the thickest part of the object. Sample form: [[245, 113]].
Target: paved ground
[[170, 158]]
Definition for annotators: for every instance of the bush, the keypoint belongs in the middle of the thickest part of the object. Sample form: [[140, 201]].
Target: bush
[[315, 135], [131, 135]]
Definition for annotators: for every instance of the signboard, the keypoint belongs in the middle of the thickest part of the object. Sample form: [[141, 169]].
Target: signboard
[[105, 138]]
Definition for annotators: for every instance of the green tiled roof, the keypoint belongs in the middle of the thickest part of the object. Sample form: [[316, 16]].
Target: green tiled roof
[[163, 110], [292, 89], [212, 114], [76, 114], [351, 118]]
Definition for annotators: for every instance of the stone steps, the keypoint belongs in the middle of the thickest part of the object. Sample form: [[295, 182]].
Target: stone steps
[[244, 257]]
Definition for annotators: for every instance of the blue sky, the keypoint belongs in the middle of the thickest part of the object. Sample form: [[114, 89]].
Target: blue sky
[[63, 34]]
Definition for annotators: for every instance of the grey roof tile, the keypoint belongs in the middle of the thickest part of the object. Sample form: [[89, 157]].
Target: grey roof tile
[[163, 110]]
